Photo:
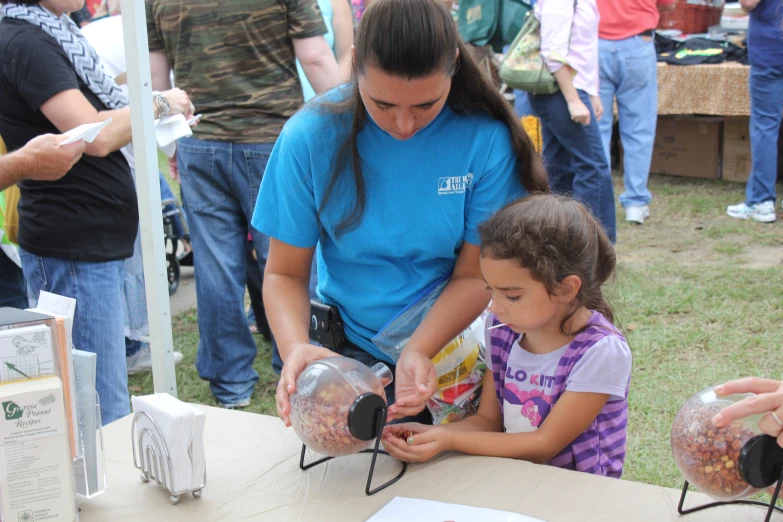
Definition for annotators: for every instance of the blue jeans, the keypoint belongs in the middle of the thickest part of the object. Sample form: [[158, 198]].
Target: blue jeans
[[97, 325], [629, 72], [766, 107], [574, 157], [220, 183], [522, 104], [13, 289]]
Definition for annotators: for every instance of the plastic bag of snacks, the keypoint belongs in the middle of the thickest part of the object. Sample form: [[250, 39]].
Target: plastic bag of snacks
[[460, 368]]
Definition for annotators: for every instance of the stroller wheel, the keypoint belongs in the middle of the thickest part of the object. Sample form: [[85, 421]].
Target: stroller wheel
[[172, 269]]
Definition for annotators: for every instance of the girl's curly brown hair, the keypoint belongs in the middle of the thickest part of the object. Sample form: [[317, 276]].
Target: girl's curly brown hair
[[554, 236]]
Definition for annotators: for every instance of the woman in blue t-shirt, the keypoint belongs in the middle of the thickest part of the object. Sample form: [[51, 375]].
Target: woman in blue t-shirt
[[390, 177]]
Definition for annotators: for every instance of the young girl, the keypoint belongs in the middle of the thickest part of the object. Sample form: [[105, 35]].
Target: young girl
[[560, 370]]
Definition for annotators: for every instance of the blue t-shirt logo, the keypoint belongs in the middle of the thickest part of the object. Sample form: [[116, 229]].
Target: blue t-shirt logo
[[454, 184]]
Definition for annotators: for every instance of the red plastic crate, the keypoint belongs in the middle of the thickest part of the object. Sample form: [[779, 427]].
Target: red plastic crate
[[691, 18]]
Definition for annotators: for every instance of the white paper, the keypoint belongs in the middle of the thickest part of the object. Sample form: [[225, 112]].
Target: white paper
[[35, 460], [54, 304], [87, 132], [419, 510], [64, 307], [85, 374], [168, 130], [26, 353]]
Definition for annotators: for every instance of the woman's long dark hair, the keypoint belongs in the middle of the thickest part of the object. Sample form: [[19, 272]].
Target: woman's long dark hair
[[414, 39]]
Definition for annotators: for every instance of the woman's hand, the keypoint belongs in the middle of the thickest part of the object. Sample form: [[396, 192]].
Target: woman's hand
[[598, 107], [179, 103], [579, 112], [299, 356], [768, 399], [415, 383], [420, 443]]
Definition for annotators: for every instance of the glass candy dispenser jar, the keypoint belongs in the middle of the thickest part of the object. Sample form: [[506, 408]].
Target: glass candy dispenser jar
[[730, 463], [339, 408]]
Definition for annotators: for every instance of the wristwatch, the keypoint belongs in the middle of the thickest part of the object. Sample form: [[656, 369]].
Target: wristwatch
[[162, 103]]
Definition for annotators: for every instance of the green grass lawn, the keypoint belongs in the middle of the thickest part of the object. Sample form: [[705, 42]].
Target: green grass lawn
[[700, 297]]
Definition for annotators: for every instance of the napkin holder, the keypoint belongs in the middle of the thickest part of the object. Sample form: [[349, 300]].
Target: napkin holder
[[151, 456]]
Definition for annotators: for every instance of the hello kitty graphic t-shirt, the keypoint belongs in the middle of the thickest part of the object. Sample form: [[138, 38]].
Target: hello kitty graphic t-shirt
[[530, 378]]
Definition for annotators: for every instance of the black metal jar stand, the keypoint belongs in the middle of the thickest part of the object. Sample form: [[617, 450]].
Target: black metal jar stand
[[760, 465], [366, 420]]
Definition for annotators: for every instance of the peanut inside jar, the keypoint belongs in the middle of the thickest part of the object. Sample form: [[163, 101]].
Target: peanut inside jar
[[707, 456], [326, 390]]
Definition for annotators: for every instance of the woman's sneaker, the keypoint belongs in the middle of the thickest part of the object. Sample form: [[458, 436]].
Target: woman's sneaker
[[761, 212]]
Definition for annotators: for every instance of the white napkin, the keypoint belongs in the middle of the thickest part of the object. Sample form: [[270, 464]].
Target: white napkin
[[168, 130], [182, 431], [86, 132]]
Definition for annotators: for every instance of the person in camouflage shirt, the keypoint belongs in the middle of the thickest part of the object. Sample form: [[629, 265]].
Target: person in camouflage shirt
[[237, 60]]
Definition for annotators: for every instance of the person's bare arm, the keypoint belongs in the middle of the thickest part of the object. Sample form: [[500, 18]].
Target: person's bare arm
[[69, 109], [573, 413], [578, 110], [160, 69], [342, 25], [318, 62], [461, 302], [43, 159], [570, 417], [286, 282], [749, 5]]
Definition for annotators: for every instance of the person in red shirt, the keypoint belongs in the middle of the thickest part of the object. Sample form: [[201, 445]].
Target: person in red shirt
[[627, 63]]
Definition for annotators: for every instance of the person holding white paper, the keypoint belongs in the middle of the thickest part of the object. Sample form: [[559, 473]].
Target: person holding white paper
[[74, 233], [106, 36], [42, 159]]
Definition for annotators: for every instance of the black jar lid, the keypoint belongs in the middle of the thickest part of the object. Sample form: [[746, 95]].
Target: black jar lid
[[366, 416], [761, 461]]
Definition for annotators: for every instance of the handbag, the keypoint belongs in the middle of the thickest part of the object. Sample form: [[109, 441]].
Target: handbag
[[523, 67]]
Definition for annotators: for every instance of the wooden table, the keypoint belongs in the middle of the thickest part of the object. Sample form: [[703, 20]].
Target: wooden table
[[253, 474]]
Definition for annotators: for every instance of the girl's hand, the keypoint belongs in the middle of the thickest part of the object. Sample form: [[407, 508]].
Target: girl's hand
[[579, 112], [415, 383], [598, 107], [768, 399], [421, 442], [299, 356]]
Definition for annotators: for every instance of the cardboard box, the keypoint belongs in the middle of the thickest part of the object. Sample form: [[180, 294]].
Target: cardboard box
[[736, 149], [688, 147]]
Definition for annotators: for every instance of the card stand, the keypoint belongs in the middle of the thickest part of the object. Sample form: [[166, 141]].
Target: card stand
[[85, 487], [153, 459], [366, 420], [761, 465]]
